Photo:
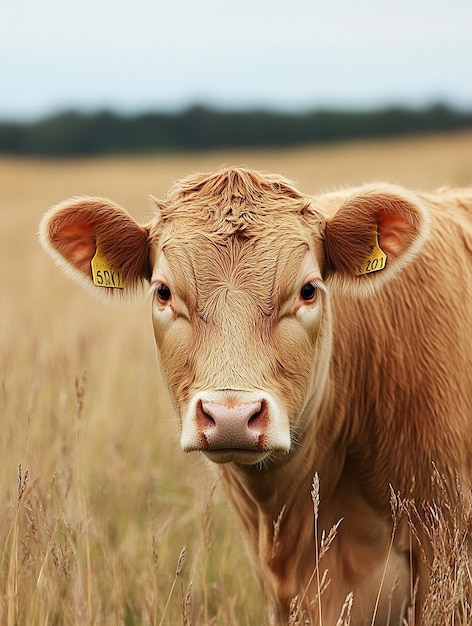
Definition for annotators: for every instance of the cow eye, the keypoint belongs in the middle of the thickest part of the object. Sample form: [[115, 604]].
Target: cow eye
[[308, 291], [163, 292]]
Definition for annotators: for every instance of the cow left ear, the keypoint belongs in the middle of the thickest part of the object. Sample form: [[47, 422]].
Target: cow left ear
[[374, 234], [98, 243]]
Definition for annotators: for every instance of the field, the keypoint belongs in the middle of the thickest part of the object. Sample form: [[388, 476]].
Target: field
[[97, 501]]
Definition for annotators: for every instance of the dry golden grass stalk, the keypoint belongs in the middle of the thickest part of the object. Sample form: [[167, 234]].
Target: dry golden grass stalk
[[315, 496], [275, 536], [185, 605], [297, 614], [178, 571], [345, 616], [443, 532]]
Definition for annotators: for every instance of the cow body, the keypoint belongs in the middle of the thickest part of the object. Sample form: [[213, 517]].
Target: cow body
[[286, 355]]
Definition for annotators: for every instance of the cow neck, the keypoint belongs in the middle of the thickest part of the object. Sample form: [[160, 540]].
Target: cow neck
[[276, 510], [259, 494]]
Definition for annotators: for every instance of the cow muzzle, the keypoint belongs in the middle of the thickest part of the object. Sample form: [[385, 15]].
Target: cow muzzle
[[235, 426]]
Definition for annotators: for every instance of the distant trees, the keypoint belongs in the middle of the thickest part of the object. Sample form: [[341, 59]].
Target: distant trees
[[77, 134]]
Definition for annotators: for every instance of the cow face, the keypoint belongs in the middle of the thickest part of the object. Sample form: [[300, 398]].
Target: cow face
[[241, 268], [237, 322]]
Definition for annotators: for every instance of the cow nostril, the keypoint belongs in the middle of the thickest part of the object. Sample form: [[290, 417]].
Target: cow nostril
[[204, 419], [259, 419], [254, 418]]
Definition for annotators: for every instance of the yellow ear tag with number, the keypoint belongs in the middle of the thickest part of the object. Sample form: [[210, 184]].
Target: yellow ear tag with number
[[103, 274], [375, 260]]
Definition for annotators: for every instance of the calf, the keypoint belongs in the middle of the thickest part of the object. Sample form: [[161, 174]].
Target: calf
[[296, 334]]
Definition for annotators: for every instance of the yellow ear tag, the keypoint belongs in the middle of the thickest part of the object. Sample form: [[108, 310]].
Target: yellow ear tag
[[375, 260], [103, 274]]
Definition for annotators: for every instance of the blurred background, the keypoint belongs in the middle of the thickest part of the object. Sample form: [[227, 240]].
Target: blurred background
[[111, 76]]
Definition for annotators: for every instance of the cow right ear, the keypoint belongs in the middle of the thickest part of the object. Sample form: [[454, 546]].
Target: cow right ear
[[98, 243], [376, 232]]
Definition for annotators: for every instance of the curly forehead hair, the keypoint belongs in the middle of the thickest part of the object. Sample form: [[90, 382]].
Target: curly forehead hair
[[232, 201]]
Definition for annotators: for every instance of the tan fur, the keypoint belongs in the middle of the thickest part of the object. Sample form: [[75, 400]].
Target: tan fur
[[373, 377]]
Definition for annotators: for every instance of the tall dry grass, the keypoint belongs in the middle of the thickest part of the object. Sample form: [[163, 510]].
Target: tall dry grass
[[104, 520]]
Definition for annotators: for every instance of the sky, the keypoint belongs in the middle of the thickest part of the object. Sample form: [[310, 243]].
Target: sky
[[133, 56]]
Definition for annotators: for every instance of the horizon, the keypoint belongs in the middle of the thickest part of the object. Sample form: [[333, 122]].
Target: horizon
[[90, 112]]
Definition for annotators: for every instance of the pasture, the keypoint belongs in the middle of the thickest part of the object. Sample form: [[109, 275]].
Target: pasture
[[104, 520]]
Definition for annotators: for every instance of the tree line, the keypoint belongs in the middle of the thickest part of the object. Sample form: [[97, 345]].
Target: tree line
[[73, 133]]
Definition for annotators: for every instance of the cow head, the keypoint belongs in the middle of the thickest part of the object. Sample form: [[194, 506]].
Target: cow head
[[241, 268]]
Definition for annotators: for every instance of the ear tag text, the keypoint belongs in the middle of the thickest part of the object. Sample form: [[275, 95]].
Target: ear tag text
[[375, 260], [103, 275]]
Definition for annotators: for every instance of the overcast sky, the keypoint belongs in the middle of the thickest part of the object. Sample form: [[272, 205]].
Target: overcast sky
[[138, 55]]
